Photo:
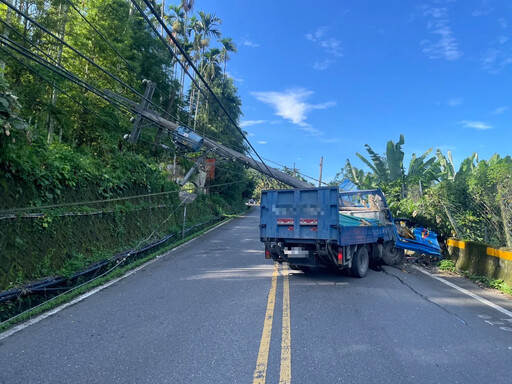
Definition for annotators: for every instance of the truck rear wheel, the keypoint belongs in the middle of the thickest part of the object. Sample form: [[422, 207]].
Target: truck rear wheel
[[360, 263], [391, 255]]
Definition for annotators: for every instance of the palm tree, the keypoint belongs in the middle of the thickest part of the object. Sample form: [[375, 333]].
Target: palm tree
[[211, 64], [205, 28], [228, 45], [210, 70], [187, 6]]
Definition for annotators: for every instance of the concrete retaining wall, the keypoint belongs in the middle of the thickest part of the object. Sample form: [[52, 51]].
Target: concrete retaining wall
[[480, 259]]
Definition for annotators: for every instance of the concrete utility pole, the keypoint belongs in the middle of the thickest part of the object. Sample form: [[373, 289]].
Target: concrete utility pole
[[321, 166], [137, 124], [143, 113]]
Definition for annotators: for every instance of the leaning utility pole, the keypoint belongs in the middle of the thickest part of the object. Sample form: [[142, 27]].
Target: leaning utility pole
[[192, 140]]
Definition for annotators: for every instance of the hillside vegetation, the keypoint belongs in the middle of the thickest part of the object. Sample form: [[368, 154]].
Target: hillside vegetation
[[73, 190], [472, 202]]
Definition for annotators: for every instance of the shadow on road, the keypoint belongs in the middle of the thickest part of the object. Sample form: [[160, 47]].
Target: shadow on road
[[320, 276]]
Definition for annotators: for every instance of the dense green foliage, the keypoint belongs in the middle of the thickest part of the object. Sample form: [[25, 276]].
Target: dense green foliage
[[473, 203], [62, 144], [74, 138]]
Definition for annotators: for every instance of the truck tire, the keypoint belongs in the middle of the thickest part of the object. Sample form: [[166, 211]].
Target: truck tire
[[391, 255], [360, 263]]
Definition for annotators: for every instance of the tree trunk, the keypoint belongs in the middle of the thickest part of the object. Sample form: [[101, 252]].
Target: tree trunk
[[190, 104], [197, 108], [130, 13], [51, 125], [182, 81], [452, 221], [162, 14]]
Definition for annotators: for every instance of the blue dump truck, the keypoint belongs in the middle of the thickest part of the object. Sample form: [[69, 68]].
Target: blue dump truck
[[342, 229]]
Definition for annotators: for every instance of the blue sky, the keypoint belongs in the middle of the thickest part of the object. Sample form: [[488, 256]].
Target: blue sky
[[324, 78]]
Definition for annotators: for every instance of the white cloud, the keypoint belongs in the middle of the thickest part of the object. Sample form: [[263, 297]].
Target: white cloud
[[317, 34], [262, 142], [323, 65], [481, 12], [496, 60], [248, 123], [502, 22], [291, 105], [455, 101], [311, 130], [502, 39], [445, 46], [330, 46], [480, 125], [436, 12], [499, 110], [249, 43], [329, 141]]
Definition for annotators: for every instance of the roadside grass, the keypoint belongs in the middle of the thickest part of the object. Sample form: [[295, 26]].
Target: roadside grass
[[116, 272], [446, 265], [499, 284]]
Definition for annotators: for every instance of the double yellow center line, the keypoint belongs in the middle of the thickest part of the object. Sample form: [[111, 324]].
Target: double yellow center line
[[260, 372]]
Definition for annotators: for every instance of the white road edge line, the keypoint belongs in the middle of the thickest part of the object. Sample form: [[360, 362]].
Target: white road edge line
[[466, 292], [52, 312]]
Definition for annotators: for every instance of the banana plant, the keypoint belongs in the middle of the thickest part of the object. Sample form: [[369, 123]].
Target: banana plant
[[446, 165]]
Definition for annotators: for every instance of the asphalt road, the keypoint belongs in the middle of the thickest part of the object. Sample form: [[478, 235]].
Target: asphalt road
[[215, 311]]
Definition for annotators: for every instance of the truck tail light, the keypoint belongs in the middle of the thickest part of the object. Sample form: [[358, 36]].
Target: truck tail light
[[340, 256]]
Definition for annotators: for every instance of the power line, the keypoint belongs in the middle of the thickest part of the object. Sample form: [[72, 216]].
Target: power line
[[79, 53], [114, 49], [78, 203], [101, 94], [105, 40], [300, 173], [169, 34], [86, 58], [59, 89], [60, 71], [28, 41], [141, 11]]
